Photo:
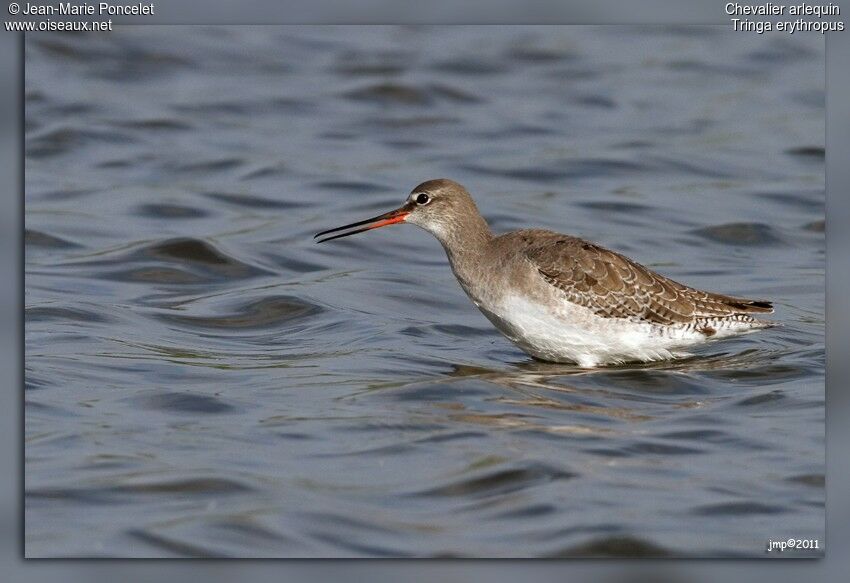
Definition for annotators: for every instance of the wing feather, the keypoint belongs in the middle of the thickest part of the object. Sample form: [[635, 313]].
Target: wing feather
[[614, 286]]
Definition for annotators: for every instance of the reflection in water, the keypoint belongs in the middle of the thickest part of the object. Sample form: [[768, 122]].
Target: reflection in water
[[202, 380]]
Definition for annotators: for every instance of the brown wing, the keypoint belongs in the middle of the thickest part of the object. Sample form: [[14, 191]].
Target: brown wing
[[614, 286]]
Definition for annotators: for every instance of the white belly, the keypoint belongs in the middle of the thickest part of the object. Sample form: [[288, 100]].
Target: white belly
[[565, 332]]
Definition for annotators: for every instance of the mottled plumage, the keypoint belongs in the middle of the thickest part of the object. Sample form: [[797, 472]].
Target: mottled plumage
[[614, 286]]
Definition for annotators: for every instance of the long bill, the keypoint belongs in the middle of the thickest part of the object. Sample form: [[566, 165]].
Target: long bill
[[390, 218]]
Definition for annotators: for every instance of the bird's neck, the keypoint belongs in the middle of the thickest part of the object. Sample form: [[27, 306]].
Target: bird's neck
[[465, 245]]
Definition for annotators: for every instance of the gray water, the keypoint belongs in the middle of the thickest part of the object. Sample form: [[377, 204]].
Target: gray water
[[203, 380]]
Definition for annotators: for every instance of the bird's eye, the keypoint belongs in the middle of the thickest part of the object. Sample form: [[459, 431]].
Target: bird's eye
[[422, 198]]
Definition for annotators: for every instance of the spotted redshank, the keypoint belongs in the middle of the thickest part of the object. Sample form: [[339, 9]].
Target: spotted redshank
[[561, 298]]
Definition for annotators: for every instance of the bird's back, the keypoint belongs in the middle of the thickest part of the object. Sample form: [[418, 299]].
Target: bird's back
[[614, 286]]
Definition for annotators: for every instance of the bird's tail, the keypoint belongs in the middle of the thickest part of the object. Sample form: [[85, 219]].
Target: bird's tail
[[750, 306]]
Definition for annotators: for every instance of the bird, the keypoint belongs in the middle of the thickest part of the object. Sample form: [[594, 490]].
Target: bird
[[561, 298]]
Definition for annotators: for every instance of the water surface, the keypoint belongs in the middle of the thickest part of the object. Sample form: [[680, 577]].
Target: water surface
[[203, 380]]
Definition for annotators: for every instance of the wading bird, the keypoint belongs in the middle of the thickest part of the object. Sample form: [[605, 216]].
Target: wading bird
[[561, 298]]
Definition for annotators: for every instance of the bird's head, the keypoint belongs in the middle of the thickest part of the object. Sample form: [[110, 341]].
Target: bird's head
[[442, 207]]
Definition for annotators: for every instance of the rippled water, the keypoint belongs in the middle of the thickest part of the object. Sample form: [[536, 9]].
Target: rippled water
[[203, 380]]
